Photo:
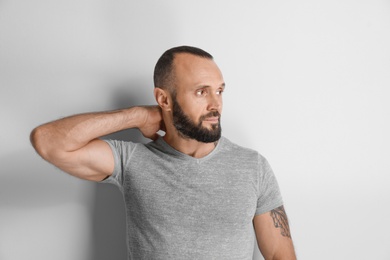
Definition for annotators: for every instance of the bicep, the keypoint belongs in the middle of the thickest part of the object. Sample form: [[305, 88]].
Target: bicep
[[94, 161], [273, 234]]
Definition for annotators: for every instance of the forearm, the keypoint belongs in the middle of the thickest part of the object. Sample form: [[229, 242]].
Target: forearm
[[72, 133]]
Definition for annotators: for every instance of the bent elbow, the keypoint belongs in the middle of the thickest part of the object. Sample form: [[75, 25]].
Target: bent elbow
[[37, 139], [33, 137]]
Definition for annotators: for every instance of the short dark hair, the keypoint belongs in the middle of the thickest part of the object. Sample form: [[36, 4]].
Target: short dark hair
[[163, 71]]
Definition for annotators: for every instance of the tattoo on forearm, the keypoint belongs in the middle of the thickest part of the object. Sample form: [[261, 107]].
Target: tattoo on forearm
[[279, 217]]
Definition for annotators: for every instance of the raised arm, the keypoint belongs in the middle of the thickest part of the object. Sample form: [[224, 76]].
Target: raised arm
[[72, 143], [273, 235]]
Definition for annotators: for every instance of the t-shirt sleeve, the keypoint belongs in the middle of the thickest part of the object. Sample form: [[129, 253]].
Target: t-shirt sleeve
[[269, 196], [121, 151]]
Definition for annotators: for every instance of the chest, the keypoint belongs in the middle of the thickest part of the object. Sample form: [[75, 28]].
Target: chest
[[196, 195]]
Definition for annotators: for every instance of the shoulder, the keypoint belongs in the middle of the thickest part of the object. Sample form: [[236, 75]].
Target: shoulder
[[124, 148], [238, 150], [120, 144], [244, 154]]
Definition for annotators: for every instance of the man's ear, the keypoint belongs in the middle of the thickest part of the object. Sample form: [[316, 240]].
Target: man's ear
[[163, 99]]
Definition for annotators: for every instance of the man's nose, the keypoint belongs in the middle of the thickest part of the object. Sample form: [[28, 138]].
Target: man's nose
[[214, 102]]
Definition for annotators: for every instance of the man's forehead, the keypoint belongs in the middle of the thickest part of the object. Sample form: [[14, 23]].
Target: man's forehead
[[188, 59], [189, 63]]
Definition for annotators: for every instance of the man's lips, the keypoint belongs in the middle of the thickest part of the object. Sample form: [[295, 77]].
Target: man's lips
[[213, 119]]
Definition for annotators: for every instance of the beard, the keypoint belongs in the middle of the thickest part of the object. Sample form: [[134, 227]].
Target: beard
[[188, 129]]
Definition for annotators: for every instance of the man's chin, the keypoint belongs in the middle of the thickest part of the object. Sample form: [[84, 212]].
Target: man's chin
[[211, 140]]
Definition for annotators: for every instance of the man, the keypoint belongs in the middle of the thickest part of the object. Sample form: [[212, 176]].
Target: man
[[190, 194]]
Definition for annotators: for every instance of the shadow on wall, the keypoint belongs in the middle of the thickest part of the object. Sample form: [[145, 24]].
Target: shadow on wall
[[109, 220], [29, 189], [28, 182]]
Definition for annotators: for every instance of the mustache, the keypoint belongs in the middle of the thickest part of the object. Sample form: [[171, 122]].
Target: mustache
[[211, 114]]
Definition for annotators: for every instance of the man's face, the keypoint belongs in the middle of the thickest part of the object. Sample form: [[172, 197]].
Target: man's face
[[188, 128], [197, 105]]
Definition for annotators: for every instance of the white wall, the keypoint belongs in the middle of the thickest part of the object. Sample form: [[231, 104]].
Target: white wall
[[307, 85]]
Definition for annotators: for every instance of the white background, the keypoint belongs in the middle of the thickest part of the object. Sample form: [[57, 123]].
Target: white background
[[307, 86]]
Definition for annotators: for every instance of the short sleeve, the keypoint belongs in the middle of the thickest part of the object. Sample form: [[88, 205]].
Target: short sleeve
[[269, 196], [121, 151]]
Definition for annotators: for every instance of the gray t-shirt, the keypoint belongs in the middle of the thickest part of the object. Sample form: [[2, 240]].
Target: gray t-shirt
[[180, 207]]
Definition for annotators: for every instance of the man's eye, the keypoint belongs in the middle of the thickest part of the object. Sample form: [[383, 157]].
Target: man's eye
[[200, 92], [219, 92]]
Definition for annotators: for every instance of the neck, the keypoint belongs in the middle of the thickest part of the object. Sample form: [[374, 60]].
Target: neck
[[188, 146]]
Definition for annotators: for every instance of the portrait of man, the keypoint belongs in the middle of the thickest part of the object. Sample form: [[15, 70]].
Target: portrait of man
[[190, 193]]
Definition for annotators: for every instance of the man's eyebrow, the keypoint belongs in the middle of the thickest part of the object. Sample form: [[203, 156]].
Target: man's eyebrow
[[223, 85]]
